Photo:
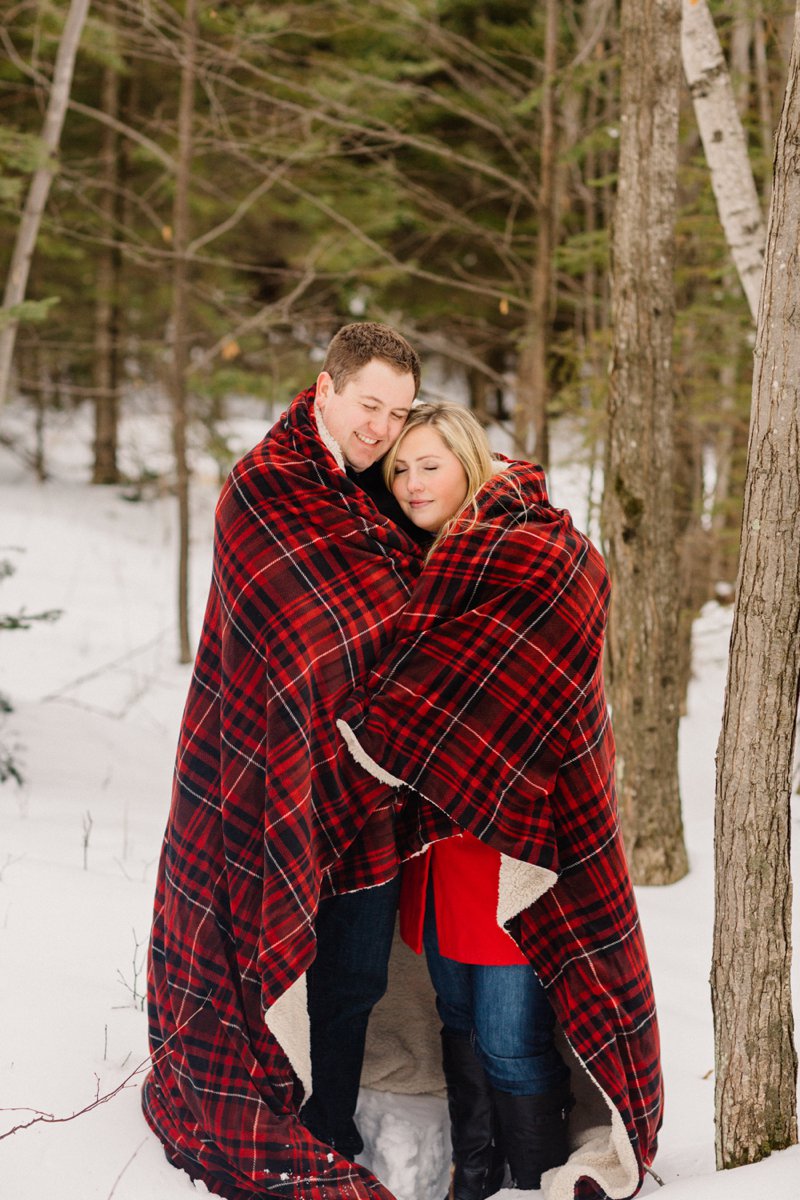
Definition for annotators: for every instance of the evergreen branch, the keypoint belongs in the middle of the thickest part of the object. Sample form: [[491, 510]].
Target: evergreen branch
[[23, 620]]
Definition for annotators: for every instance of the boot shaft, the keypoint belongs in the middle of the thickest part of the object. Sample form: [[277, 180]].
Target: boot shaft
[[534, 1132]]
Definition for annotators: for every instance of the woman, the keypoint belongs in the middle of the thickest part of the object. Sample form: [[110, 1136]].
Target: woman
[[487, 993], [490, 713]]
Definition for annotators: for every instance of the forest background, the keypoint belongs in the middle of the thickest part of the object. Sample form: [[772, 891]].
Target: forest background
[[409, 162]]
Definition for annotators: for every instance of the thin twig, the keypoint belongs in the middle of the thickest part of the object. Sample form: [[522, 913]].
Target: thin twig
[[41, 1117], [109, 666], [124, 1169]]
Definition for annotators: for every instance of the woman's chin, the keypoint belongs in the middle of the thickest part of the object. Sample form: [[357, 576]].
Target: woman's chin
[[426, 524]]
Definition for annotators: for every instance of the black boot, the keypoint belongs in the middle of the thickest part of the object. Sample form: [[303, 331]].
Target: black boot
[[534, 1132], [478, 1165]]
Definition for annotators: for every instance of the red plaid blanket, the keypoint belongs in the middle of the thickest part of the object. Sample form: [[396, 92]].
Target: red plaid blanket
[[308, 578], [490, 710]]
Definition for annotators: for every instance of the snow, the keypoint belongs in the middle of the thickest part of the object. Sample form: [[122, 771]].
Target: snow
[[98, 699]]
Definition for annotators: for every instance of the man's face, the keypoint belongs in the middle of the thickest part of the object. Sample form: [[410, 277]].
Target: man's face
[[365, 418]]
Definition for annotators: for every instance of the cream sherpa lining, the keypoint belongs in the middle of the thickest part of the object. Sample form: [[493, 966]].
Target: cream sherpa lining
[[328, 440], [363, 759], [603, 1151], [602, 1148], [521, 885], [288, 1021]]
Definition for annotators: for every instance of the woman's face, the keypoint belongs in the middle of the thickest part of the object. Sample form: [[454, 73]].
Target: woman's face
[[429, 482]]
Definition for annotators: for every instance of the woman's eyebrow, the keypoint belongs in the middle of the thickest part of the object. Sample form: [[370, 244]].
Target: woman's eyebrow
[[417, 458]]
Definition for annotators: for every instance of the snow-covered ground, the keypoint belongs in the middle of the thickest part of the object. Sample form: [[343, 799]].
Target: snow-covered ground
[[98, 698]]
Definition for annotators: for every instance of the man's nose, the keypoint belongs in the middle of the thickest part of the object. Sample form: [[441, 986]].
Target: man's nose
[[379, 424]]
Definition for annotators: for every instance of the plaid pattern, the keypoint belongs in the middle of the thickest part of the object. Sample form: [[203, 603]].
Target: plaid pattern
[[491, 708], [308, 578]]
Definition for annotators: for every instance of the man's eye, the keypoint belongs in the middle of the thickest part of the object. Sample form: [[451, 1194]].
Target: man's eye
[[370, 407]]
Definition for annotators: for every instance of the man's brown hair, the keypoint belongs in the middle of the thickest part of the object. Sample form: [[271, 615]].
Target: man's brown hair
[[356, 345]]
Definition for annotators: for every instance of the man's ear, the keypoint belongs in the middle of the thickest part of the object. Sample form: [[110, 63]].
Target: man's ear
[[325, 389]]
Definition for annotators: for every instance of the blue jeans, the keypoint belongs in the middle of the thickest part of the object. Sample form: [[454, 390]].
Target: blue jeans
[[504, 1010], [345, 981]]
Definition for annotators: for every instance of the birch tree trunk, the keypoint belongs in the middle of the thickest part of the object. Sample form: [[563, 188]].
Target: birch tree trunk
[[19, 268], [725, 146], [756, 1062], [180, 323], [638, 500]]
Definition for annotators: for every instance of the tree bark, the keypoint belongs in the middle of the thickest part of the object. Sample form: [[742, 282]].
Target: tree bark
[[180, 323], [531, 430], [638, 500], [724, 449], [756, 1062], [107, 311], [741, 39], [19, 268], [766, 123], [725, 146]]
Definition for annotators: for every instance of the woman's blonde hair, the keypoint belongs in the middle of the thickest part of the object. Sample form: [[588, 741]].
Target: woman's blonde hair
[[463, 435]]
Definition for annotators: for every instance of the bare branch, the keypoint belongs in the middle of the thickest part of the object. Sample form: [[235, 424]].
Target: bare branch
[[96, 114]]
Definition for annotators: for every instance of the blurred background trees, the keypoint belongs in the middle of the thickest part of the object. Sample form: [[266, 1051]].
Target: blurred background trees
[[449, 166]]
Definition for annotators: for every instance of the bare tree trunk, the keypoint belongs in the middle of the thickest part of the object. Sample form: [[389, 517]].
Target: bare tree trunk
[[107, 312], [531, 431], [756, 1062], [180, 323], [638, 500], [42, 399], [608, 160], [19, 269], [478, 386], [724, 451], [590, 223], [784, 39], [691, 539], [594, 309], [766, 122], [725, 146], [741, 39], [721, 562]]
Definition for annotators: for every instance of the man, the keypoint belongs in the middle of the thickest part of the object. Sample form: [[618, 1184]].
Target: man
[[277, 884]]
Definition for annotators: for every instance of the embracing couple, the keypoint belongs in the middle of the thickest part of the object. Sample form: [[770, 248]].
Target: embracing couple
[[397, 701]]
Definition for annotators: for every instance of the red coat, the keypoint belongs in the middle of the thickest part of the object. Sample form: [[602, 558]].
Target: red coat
[[466, 882]]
